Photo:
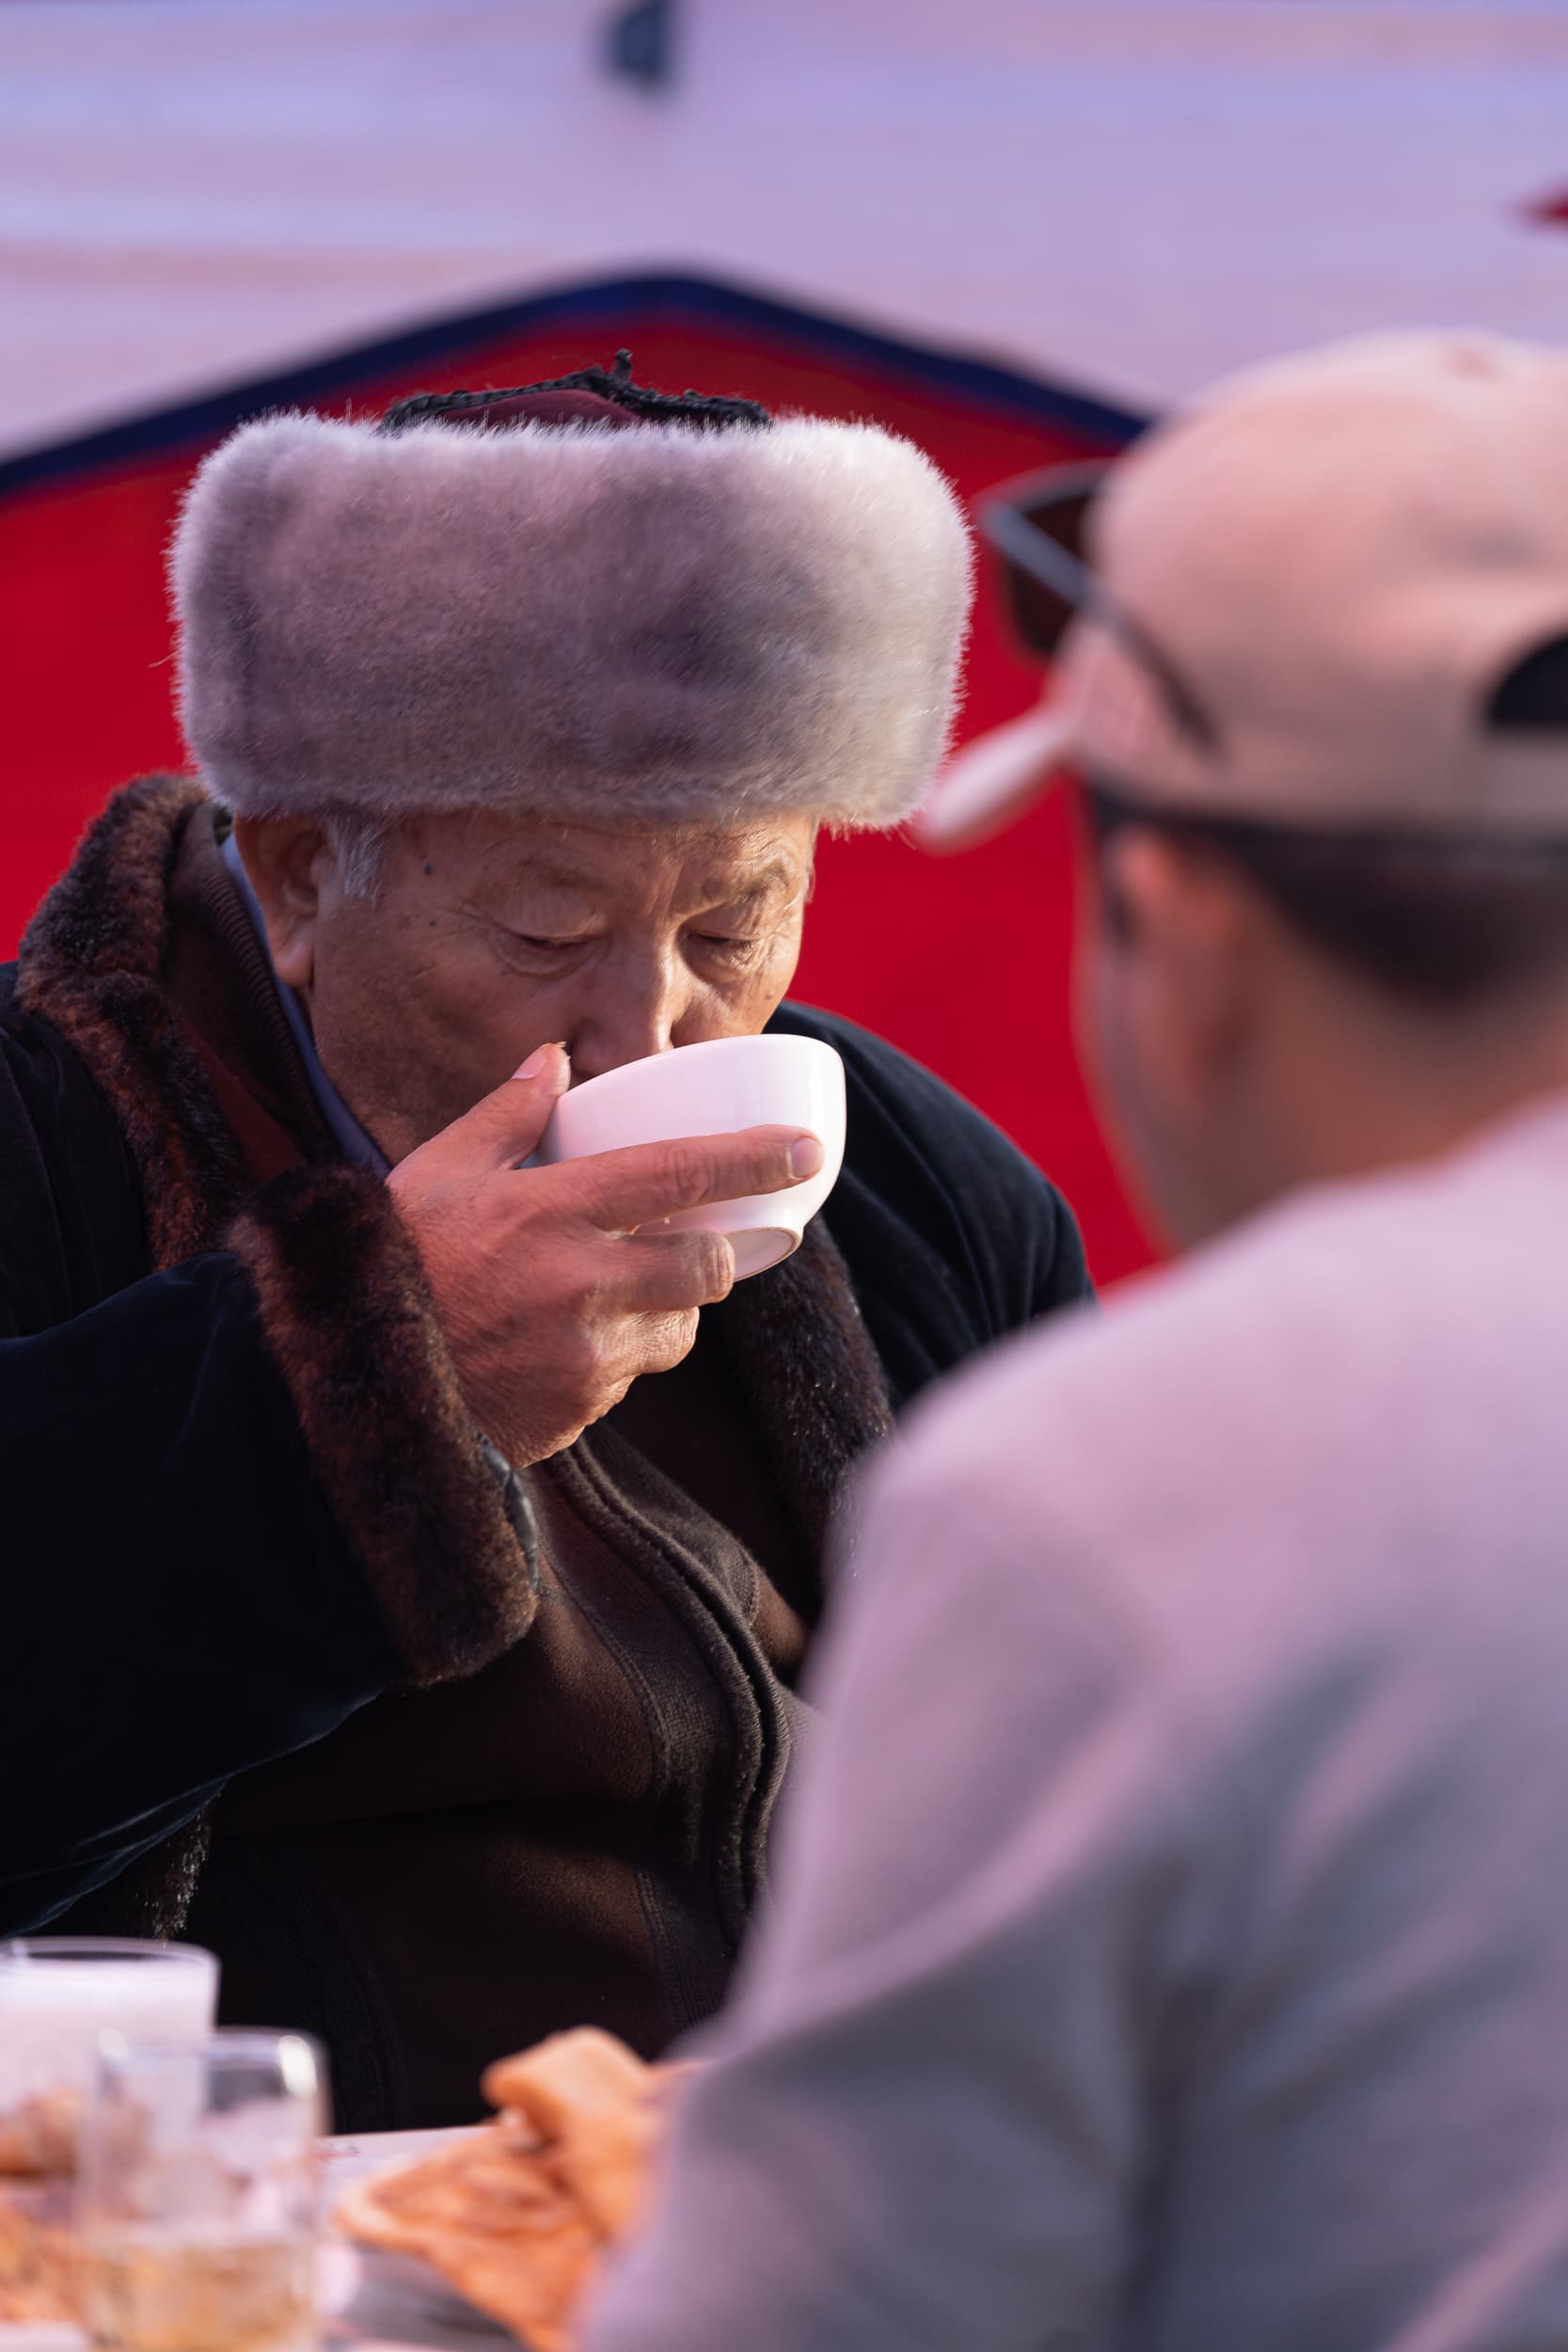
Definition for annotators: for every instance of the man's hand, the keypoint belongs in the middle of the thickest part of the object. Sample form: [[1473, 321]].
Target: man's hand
[[551, 1300]]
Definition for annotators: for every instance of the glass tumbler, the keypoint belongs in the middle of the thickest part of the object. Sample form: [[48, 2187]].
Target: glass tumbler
[[59, 1994], [197, 2194]]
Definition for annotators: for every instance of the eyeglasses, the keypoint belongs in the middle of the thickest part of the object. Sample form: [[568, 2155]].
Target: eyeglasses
[[1038, 524]]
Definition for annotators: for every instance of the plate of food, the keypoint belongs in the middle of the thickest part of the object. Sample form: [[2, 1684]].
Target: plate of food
[[38, 2258], [41, 2280], [42, 2260], [503, 2229]]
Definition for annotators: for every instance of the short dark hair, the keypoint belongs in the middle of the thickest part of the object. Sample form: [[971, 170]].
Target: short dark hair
[[1438, 920]]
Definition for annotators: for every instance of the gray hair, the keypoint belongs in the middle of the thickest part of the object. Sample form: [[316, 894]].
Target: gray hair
[[360, 846]]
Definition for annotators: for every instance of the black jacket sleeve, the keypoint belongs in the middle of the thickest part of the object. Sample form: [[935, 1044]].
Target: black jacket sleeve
[[179, 1604], [240, 1497]]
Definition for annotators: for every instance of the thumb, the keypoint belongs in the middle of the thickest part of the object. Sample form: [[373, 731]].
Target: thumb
[[504, 1127]]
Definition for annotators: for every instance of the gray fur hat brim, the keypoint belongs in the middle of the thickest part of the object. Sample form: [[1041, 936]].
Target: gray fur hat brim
[[570, 620]]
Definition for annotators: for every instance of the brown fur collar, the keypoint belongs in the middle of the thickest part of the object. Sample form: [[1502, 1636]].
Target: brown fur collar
[[804, 1356], [91, 965], [345, 1307], [346, 1315]]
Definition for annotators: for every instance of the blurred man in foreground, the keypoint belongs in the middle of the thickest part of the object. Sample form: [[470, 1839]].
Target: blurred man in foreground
[[1173, 1944]]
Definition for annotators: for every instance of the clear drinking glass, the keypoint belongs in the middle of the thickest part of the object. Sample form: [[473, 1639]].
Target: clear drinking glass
[[59, 1994], [197, 2195]]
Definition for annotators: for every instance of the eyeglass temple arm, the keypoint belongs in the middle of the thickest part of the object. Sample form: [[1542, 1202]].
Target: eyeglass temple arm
[[1068, 576]]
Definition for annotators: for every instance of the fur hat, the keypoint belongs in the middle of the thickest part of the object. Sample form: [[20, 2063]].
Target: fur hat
[[600, 615]]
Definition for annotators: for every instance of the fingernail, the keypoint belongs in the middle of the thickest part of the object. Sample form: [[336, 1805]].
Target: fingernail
[[805, 1157], [536, 1064]]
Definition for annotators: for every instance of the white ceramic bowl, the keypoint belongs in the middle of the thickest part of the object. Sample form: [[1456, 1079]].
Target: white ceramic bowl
[[718, 1089]]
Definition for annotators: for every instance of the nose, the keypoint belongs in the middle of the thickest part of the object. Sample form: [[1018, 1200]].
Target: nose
[[636, 1011]]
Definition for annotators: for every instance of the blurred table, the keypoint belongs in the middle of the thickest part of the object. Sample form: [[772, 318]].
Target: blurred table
[[398, 2305]]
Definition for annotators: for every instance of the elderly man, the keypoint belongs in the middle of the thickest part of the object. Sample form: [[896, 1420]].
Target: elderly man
[[410, 1571], [1172, 1944]]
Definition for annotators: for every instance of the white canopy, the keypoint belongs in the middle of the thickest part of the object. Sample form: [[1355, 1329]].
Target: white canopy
[[1121, 195]]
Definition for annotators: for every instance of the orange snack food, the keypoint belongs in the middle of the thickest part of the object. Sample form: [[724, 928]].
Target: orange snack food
[[518, 2217]]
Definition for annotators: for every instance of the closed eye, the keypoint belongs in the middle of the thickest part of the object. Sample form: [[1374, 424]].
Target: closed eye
[[733, 947]]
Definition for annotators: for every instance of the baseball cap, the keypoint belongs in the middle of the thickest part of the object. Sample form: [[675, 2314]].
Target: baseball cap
[[1292, 603]]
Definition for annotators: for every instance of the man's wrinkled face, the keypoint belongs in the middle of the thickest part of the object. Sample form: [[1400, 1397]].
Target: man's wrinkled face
[[490, 934]]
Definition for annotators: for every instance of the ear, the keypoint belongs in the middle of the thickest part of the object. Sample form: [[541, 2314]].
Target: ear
[[1188, 942], [287, 860]]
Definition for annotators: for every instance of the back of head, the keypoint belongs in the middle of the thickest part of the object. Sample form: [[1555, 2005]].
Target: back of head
[[1358, 565], [1316, 645], [1325, 620]]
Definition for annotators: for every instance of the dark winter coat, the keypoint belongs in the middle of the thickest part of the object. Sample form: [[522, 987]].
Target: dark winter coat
[[278, 1671]]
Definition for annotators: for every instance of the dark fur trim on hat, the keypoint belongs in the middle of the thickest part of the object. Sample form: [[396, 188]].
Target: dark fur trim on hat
[[91, 964], [351, 1326], [708, 411]]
